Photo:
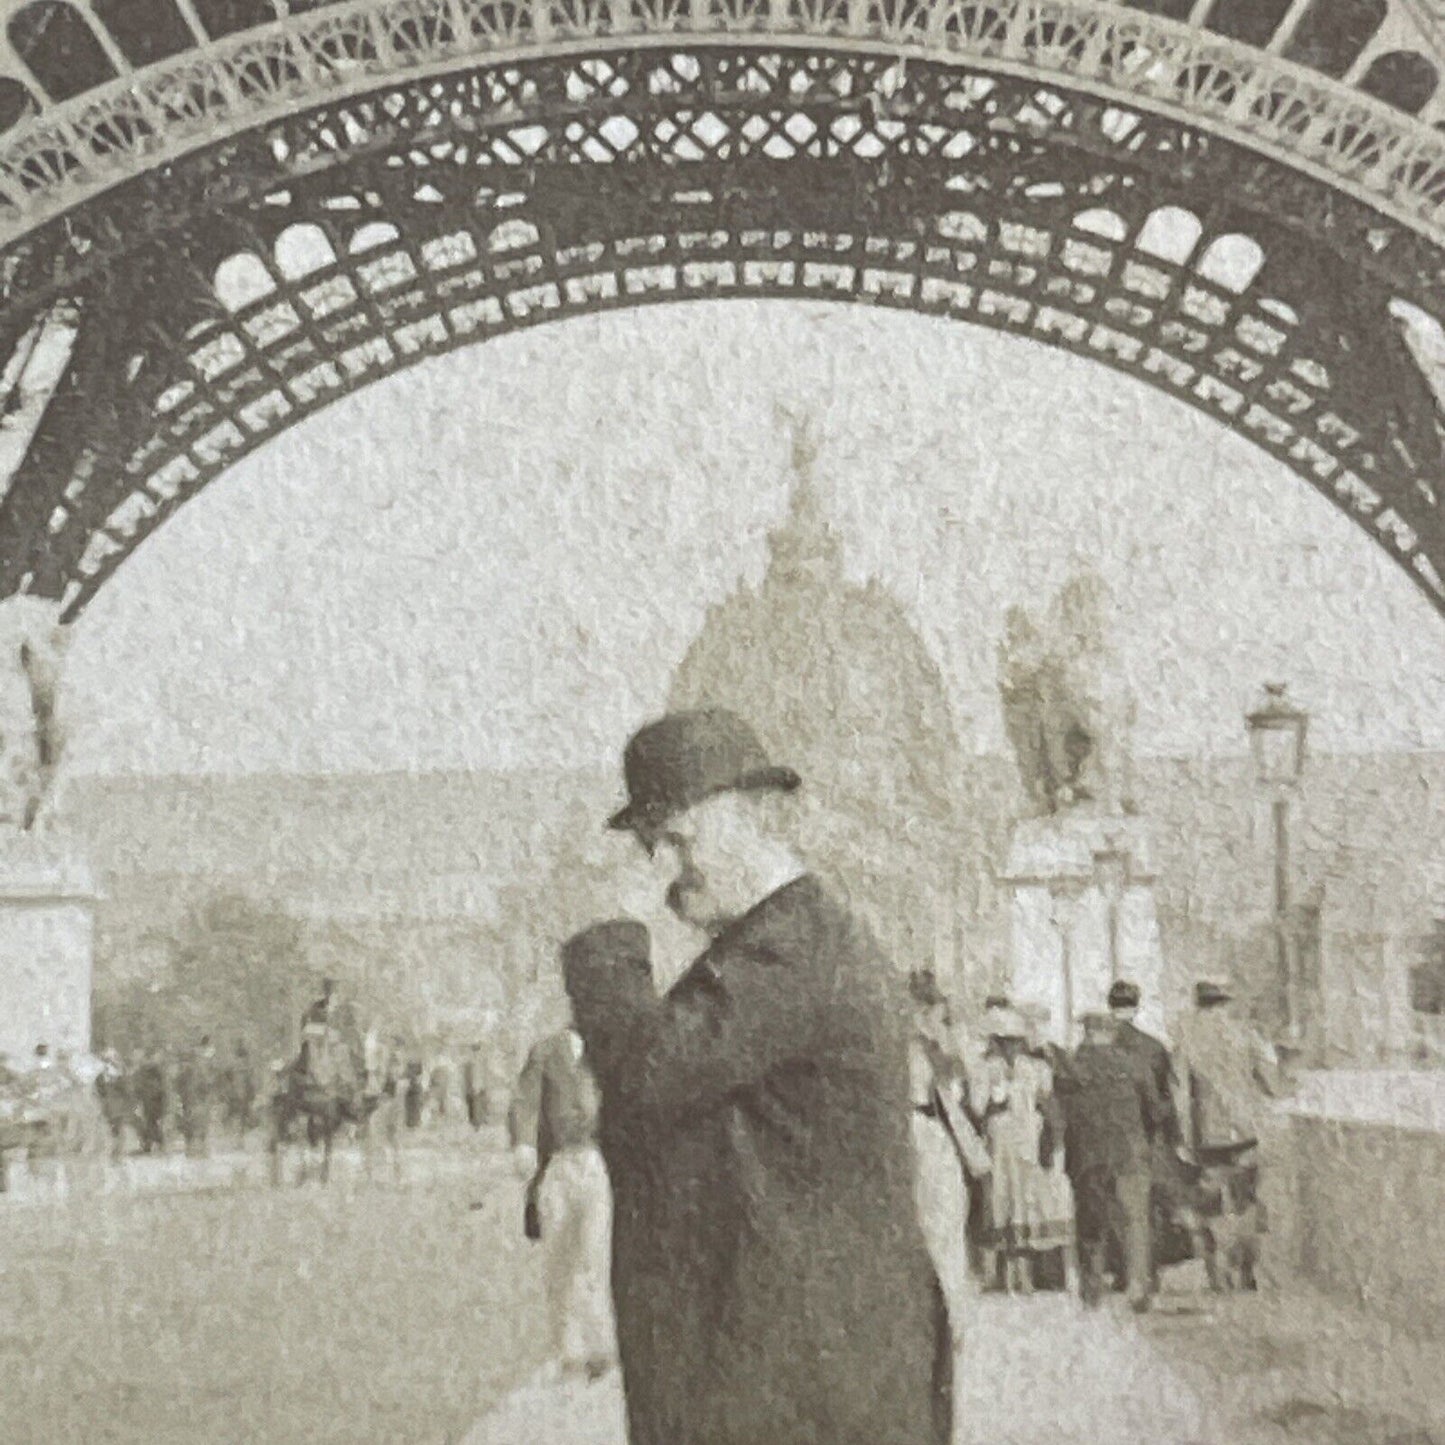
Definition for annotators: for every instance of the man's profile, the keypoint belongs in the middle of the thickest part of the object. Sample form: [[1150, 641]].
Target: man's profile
[[761, 1107]]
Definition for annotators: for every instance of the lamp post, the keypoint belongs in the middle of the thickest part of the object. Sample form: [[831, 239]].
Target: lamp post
[[1277, 737]]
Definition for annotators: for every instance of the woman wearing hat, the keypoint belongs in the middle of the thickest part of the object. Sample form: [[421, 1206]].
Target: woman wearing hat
[[1020, 1087], [1056, 1250]]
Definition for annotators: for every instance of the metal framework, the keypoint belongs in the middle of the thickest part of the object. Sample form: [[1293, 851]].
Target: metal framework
[[226, 291], [1190, 68]]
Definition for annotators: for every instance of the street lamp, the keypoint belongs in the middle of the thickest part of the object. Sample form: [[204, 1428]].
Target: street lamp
[[1111, 870], [1277, 737]]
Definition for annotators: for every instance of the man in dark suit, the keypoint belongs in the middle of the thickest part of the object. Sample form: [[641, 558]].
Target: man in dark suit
[[1169, 1189], [764, 1103], [1105, 1094], [553, 1128], [1153, 1057]]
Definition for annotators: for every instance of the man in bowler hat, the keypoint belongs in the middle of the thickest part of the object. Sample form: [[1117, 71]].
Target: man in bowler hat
[[1124, 1000], [1108, 1103], [1169, 1187], [1229, 1077], [762, 1108]]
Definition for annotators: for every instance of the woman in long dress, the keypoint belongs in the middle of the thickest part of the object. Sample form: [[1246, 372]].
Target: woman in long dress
[[1026, 1215], [1057, 1203]]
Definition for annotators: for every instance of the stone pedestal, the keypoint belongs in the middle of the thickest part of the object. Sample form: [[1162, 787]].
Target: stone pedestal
[[47, 908], [1083, 915]]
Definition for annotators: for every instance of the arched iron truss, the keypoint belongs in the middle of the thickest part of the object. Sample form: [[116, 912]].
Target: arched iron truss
[[240, 288]]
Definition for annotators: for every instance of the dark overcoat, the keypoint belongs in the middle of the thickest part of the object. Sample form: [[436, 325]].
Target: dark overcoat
[[770, 1276], [1170, 1181], [1152, 1055], [1107, 1098]]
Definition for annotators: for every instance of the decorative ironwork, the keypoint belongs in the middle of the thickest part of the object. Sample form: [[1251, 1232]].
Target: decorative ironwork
[[290, 265], [150, 115]]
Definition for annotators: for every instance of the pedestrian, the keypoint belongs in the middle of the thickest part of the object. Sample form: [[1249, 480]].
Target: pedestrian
[[440, 1085], [152, 1101], [112, 1088], [195, 1092], [11, 1124], [415, 1092], [1055, 1259], [1106, 1096], [1170, 1188], [88, 1139], [764, 1100], [387, 1087], [1124, 1000], [45, 1090], [1228, 1071], [474, 1086], [1021, 1202], [1228, 1077], [948, 1147], [553, 1131], [241, 1091]]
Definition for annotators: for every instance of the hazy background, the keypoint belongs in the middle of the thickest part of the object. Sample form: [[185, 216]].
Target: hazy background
[[495, 560]]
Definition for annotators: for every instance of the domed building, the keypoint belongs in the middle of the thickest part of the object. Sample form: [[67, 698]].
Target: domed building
[[839, 684]]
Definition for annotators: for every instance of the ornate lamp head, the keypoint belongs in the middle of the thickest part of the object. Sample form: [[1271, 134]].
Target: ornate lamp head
[[1277, 732]]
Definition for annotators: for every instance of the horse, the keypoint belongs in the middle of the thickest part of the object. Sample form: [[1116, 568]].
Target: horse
[[323, 1089]]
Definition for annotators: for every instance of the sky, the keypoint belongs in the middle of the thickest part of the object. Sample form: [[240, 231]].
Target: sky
[[495, 560]]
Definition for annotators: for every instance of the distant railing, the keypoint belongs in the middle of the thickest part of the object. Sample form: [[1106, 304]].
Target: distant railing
[[69, 151], [1412, 1099]]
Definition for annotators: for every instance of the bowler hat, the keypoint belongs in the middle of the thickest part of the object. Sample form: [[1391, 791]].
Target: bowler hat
[[685, 757], [1208, 994], [1123, 994], [616, 941]]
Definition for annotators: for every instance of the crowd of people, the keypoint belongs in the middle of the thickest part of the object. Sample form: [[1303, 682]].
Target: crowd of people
[[767, 1191], [788, 1259], [62, 1109], [1044, 1167]]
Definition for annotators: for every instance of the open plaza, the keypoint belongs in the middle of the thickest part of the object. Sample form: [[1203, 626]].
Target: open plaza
[[151, 1313]]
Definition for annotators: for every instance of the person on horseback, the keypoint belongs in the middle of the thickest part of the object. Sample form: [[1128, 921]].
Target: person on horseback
[[324, 1086], [332, 1051]]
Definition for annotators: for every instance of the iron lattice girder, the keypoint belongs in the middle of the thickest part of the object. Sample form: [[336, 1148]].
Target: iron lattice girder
[[636, 85], [746, 174], [1191, 69]]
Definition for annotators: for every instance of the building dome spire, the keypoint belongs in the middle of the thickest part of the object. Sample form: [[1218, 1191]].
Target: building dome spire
[[805, 541]]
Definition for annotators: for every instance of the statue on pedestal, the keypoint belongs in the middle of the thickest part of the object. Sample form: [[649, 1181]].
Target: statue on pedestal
[[32, 647], [1068, 710]]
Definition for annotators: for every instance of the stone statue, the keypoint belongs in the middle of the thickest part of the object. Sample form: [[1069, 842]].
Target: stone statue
[[1068, 711], [32, 646], [1026, 692]]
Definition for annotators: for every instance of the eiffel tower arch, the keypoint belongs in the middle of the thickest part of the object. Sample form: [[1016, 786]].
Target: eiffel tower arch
[[218, 216]]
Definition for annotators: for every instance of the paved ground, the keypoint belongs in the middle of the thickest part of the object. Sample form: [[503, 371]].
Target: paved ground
[[1035, 1372], [360, 1314], [194, 1304], [1288, 1369], [1295, 1367]]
